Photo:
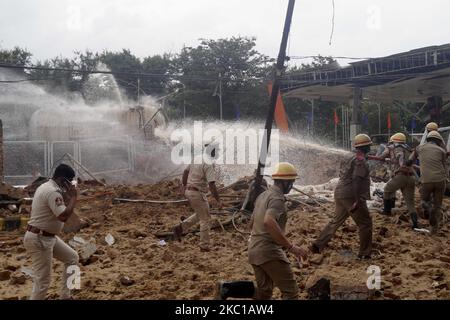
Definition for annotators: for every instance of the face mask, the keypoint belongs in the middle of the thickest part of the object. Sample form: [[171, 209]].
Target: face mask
[[287, 186]]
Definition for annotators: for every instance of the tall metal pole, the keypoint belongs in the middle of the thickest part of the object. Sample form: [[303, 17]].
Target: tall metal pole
[[379, 118], [1, 151], [220, 95], [184, 101], [274, 95], [138, 91], [312, 117], [343, 127]]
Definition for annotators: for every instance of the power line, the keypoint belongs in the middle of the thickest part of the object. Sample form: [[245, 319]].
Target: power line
[[132, 74], [333, 57], [332, 25]]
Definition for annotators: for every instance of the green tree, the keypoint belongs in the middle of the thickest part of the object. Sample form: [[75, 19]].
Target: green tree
[[232, 64], [123, 62]]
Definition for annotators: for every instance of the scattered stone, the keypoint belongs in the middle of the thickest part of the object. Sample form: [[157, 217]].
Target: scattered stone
[[12, 267], [5, 275], [96, 225], [340, 292], [126, 281], [17, 278], [21, 257], [320, 290], [316, 259], [109, 239], [418, 273], [21, 250]]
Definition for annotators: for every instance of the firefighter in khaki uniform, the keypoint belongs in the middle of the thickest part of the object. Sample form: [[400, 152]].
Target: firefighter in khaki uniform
[[350, 195], [268, 243], [403, 176], [48, 214], [196, 179], [432, 126], [433, 175]]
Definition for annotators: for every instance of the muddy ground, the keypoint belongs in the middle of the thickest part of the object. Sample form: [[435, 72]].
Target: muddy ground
[[413, 265]]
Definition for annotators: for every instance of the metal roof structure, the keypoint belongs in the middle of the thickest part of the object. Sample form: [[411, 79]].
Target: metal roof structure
[[412, 76]]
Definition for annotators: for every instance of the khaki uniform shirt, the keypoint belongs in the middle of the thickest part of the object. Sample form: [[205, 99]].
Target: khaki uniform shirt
[[354, 166], [262, 248], [432, 163], [47, 205], [398, 156], [200, 175]]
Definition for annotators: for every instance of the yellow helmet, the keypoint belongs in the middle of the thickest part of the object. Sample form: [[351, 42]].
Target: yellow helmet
[[362, 140], [435, 135], [398, 137], [432, 126], [284, 171]]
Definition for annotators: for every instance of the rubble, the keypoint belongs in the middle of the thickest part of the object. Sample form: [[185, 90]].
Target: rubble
[[17, 278], [5, 275], [417, 259]]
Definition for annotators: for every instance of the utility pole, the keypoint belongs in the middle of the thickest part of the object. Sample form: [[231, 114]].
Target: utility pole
[[1, 151], [312, 117], [139, 91], [379, 118], [220, 95], [273, 96], [184, 101]]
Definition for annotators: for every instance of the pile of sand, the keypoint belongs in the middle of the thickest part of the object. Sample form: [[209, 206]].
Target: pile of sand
[[413, 265]]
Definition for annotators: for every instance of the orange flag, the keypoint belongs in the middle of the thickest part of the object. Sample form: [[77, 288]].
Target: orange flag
[[280, 113], [336, 118]]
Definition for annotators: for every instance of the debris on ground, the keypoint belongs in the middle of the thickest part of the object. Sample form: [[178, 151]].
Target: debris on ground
[[136, 266]]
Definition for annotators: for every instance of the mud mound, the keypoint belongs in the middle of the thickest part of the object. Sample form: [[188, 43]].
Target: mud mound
[[138, 265]]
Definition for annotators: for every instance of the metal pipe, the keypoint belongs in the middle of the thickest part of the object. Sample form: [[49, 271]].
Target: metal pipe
[[274, 94]]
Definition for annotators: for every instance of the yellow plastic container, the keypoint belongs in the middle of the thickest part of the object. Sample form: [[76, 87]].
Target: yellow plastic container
[[24, 222], [2, 224]]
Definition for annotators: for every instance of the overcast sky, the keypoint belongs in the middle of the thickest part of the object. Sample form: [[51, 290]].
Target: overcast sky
[[363, 28]]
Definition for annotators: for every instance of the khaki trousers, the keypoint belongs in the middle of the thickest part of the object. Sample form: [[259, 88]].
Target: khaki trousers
[[200, 205], [437, 190], [43, 250], [404, 183], [362, 219], [276, 273]]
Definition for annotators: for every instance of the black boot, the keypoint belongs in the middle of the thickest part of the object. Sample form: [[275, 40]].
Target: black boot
[[414, 219], [393, 203], [234, 289], [387, 210]]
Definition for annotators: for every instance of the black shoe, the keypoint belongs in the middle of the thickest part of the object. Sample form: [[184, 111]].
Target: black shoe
[[388, 205], [414, 219]]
